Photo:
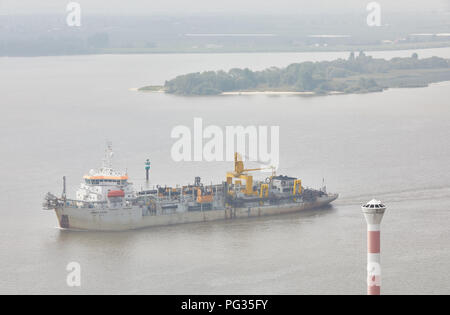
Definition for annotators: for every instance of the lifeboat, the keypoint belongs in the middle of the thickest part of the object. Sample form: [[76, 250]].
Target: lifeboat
[[116, 193]]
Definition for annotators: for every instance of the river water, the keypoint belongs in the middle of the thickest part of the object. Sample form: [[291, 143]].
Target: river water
[[57, 113]]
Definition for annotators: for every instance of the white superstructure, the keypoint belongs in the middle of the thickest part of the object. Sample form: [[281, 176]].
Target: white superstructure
[[99, 182]]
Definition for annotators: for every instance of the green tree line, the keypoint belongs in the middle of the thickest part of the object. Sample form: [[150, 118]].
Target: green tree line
[[319, 77]]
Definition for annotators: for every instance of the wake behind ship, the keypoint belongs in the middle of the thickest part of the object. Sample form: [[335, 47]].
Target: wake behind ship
[[106, 200]]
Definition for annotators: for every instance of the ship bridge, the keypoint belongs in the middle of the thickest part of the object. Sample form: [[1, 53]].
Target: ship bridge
[[106, 180], [98, 183]]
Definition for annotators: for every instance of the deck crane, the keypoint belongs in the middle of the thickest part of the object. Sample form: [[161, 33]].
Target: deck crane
[[241, 173]]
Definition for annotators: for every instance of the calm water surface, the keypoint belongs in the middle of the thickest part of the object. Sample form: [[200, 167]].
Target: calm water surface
[[57, 112]]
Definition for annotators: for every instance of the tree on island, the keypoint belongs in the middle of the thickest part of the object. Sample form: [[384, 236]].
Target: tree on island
[[355, 74]]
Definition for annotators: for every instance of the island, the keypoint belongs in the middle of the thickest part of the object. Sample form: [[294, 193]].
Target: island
[[357, 74]]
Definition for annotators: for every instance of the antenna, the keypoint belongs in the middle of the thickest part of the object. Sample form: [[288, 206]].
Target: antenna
[[107, 160]]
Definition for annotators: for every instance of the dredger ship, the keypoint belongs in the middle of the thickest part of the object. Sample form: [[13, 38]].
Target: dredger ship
[[106, 200]]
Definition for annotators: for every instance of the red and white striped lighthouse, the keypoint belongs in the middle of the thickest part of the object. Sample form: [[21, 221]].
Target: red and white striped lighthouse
[[373, 212]]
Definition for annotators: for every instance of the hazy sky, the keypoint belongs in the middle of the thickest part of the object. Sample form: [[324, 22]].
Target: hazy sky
[[151, 7]]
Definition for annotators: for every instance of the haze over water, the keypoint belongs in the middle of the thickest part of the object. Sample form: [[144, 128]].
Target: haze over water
[[57, 113]]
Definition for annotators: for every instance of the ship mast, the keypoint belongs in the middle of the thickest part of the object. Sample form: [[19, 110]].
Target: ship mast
[[107, 160]]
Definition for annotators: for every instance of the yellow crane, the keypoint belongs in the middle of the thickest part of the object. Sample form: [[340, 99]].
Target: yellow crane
[[241, 173]]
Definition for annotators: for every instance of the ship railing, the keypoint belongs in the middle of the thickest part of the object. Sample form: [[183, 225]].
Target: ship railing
[[83, 204]]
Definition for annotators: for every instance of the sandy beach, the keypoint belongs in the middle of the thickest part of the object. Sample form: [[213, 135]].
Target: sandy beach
[[267, 93]]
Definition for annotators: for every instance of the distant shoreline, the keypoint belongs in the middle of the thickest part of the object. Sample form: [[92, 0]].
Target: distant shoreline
[[305, 49]]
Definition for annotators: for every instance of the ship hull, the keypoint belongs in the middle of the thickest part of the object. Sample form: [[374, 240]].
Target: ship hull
[[132, 218]]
